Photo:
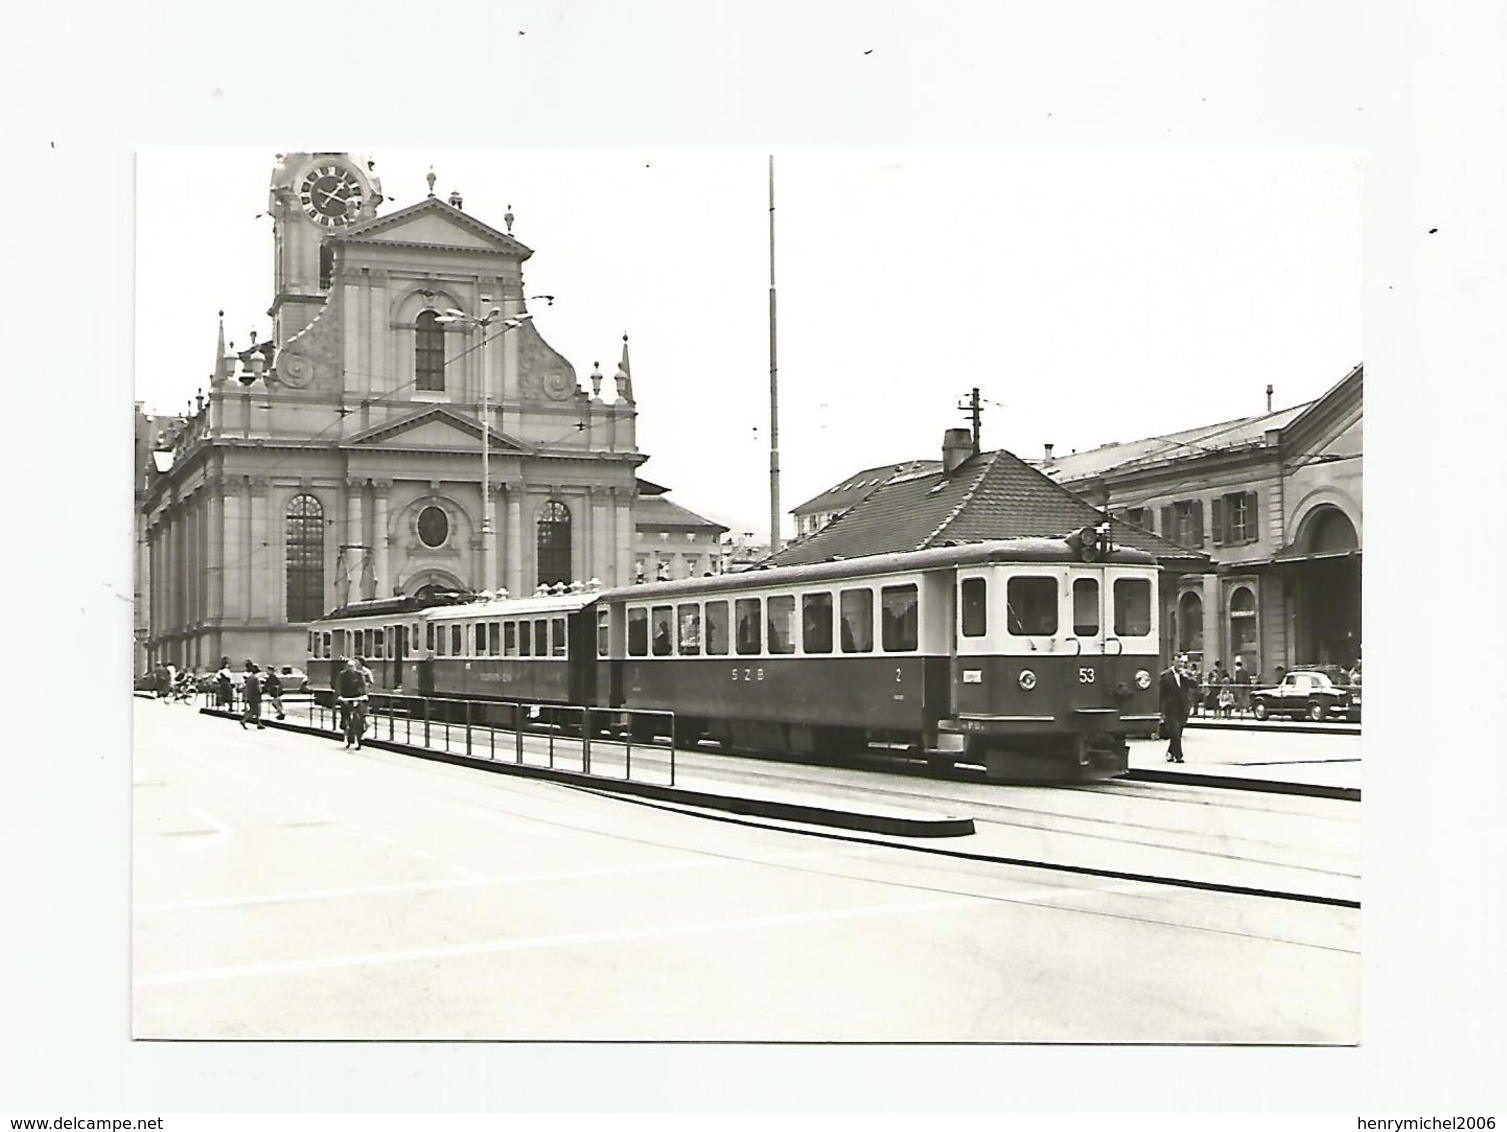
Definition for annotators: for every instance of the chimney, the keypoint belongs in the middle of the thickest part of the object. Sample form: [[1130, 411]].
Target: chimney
[[1047, 459], [455, 198], [1268, 398], [957, 446]]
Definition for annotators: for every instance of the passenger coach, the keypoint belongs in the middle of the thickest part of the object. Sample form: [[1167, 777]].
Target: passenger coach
[[1019, 655]]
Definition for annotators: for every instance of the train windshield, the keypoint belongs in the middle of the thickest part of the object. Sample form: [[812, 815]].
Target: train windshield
[[1132, 607], [1031, 606], [1085, 607]]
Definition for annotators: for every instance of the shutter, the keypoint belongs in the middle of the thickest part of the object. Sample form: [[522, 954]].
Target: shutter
[[1168, 529], [1252, 523], [1198, 522], [1216, 520]]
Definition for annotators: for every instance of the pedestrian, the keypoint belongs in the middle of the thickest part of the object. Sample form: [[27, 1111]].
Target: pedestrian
[[162, 682], [225, 684], [1175, 693], [273, 690], [251, 692], [1216, 678], [1243, 684], [1226, 696]]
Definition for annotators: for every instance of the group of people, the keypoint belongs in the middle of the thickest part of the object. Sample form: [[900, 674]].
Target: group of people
[[172, 683], [255, 686]]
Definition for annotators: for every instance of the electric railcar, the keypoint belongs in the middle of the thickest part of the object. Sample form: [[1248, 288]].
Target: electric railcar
[[1031, 657]]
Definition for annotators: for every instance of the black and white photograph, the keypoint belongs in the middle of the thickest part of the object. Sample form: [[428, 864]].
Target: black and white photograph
[[715, 558]]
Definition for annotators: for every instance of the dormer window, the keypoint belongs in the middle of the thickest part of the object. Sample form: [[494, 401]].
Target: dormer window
[[429, 354]]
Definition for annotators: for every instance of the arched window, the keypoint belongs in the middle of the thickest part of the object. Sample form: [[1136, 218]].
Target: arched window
[[303, 537], [429, 354], [1190, 626], [1244, 627], [554, 543]]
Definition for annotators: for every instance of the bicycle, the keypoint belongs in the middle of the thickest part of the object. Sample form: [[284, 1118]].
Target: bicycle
[[353, 720]]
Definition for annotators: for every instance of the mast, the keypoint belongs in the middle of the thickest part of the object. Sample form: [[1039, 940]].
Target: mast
[[774, 389]]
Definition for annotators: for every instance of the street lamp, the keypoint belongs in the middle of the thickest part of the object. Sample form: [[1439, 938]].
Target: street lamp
[[481, 322]]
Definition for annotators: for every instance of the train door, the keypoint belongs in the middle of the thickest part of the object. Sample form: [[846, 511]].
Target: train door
[[399, 654], [1088, 677]]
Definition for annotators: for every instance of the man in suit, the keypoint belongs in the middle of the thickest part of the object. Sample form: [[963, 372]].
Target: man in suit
[[1175, 690]]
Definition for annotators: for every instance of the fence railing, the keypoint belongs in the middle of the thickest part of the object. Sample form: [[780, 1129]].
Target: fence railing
[[628, 744]]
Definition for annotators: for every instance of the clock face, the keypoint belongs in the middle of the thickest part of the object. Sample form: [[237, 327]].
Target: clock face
[[331, 195]]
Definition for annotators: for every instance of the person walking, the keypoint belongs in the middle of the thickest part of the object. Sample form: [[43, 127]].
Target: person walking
[[251, 692], [273, 690], [162, 682], [1174, 693]]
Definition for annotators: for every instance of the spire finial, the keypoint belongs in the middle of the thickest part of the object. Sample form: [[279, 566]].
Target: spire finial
[[507, 218], [431, 179]]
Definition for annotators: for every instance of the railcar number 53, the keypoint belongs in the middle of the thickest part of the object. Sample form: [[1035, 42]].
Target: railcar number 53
[[1085, 675]]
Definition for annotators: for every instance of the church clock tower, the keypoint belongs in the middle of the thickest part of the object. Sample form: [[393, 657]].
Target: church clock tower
[[312, 195]]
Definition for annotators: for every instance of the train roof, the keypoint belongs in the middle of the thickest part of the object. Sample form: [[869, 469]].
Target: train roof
[[970, 554], [404, 604], [516, 606]]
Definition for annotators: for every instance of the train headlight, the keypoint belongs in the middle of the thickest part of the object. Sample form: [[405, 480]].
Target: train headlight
[[1142, 679], [1027, 679]]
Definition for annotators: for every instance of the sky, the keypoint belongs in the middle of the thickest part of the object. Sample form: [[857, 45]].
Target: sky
[[1091, 296], [1114, 219]]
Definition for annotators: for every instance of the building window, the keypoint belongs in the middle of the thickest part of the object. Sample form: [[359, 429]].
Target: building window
[[1139, 517], [554, 543], [326, 266], [429, 354], [1244, 627], [1233, 518], [1183, 522], [303, 536], [434, 527]]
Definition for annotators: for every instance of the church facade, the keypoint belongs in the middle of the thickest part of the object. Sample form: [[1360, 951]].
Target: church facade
[[343, 458]]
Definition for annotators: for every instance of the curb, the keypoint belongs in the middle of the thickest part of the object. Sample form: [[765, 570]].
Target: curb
[[892, 824], [1227, 782], [1293, 728]]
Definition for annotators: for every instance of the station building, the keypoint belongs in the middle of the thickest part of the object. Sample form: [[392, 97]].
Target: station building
[[1275, 501], [339, 458], [1256, 522]]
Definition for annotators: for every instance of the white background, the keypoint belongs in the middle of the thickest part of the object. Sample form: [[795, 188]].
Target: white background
[[1416, 91]]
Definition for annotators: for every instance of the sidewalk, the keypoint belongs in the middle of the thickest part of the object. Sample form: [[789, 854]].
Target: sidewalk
[[1206, 761]]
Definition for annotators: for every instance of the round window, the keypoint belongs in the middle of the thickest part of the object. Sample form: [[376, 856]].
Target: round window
[[434, 526]]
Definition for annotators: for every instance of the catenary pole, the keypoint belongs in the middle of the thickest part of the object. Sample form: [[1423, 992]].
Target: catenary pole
[[774, 389]]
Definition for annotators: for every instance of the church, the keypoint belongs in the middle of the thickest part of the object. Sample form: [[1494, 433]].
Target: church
[[406, 426]]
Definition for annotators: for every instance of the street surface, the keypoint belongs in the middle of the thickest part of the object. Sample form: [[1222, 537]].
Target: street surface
[[285, 888]]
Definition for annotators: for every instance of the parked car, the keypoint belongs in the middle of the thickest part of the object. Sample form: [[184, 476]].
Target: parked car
[[1307, 693], [294, 679]]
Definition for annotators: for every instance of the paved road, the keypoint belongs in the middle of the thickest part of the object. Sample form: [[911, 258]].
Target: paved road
[[285, 888]]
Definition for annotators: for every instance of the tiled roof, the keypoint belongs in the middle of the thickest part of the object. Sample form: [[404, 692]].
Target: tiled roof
[[657, 511], [992, 495], [856, 486], [1174, 446]]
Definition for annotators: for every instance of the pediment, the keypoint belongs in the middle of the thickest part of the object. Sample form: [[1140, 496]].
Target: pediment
[[433, 223], [437, 428]]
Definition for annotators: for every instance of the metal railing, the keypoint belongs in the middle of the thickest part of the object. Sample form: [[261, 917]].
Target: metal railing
[[570, 737]]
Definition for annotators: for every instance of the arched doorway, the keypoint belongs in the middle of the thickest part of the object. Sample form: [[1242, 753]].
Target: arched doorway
[[1244, 629], [1328, 589]]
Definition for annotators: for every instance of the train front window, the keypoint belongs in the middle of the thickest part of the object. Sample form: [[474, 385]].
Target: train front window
[[688, 625], [816, 623], [973, 601], [716, 628], [898, 608], [781, 619], [1086, 607], [638, 632], [857, 613], [1031, 606], [1132, 607], [662, 618], [750, 629]]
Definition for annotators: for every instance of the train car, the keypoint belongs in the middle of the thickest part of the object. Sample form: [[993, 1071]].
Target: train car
[[535, 649], [385, 632], [1031, 657], [464, 646]]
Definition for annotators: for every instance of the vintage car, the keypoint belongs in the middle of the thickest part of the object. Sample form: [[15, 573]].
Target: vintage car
[[1307, 693]]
